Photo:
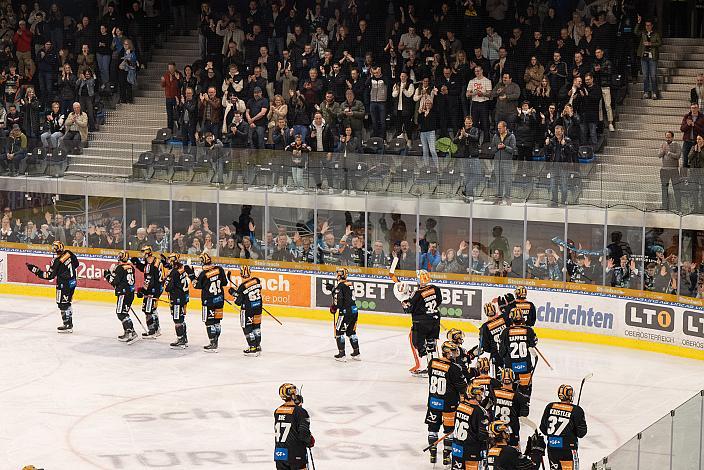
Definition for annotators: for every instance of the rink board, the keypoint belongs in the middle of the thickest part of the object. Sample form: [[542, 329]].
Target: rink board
[[593, 314]]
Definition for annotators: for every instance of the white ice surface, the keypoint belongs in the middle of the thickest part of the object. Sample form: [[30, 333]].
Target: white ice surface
[[86, 401]]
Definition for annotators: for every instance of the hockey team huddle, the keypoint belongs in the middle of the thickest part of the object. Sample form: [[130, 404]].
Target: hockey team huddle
[[477, 396]]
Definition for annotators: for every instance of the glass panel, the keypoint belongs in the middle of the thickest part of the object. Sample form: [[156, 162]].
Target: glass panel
[[585, 243], [241, 225], [194, 220], [105, 224], [29, 217], [391, 230], [687, 431], [692, 266], [67, 218], [442, 237], [148, 220], [292, 229], [340, 231], [494, 230], [625, 457], [661, 252], [655, 445], [544, 244], [625, 249]]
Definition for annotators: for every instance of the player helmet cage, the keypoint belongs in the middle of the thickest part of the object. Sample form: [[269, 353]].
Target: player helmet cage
[[57, 247], [483, 365], [341, 274], [516, 316], [456, 336], [205, 258], [290, 392], [450, 349], [490, 310], [565, 393], [123, 256], [423, 277], [147, 251], [521, 292], [245, 272], [507, 376]]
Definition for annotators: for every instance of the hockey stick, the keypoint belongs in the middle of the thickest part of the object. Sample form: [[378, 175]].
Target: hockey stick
[[138, 320], [543, 358], [272, 316], [434, 444], [586, 377], [312, 460]]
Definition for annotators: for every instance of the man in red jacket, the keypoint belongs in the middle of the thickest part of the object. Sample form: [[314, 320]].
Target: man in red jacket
[[23, 45], [692, 126], [170, 83]]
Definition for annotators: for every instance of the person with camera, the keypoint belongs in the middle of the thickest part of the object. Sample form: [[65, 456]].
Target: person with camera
[[649, 52], [562, 154]]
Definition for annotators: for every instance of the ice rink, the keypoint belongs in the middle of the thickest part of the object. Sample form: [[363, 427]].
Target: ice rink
[[87, 401]]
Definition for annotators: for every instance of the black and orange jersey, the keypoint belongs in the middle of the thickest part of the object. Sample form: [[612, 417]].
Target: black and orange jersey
[[527, 309], [291, 434], [490, 335], [122, 278], [343, 297], [446, 384], [506, 457], [563, 424], [177, 285], [64, 267], [514, 348], [212, 281], [487, 382], [470, 433], [153, 274], [249, 296], [425, 303], [509, 405]]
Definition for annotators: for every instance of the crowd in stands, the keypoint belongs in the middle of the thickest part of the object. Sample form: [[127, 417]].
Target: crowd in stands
[[56, 58]]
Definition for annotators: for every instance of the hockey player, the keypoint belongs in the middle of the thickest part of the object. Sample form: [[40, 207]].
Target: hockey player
[[464, 357], [63, 268], [248, 296], [446, 387], [177, 286], [122, 279], [345, 305], [211, 281], [517, 351], [525, 306], [423, 307], [502, 456], [292, 435], [564, 424], [150, 265], [484, 380], [509, 405], [490, 334], [470, 435]]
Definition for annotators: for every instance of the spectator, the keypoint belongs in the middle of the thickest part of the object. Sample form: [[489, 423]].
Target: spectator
[[504, 146], [497, 267], [54, 123], [591, 111], [210, 112], [321, 139], [85, 90], [76, 125], [257, 109], [491, 44], [377, 90], [477, 266], [467, 141], [128, 71], [601, 71], [570, 123], [377, 257], [649, 52], [7, 234], [278, 110], [696, 176], [450, 263], [351, 114], [533, 75], [479, 93], [402, 94], [48, 64], [15, 151], [562, 153], [691, 127], [427, 123], [406, 257], [624, 274], [330, 110], [557, 72], [188, 117], [431, 258], [67, 88], [696, 94], [85, 60], [299, 151], [22, 40], [669, 155], [170, 84], [104, 54], [30, 107], [525, 130]]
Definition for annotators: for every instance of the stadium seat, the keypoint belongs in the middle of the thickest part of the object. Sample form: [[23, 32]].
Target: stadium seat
[[375, 145], [396, 147], [35, 163], [163, 167], [57, 163], [586, 154], [143, 167]]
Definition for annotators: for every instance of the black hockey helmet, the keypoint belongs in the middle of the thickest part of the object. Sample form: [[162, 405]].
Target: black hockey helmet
[[57, 247]]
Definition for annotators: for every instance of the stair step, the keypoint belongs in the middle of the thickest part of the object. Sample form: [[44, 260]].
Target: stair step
[[681, 103], [657, 110]]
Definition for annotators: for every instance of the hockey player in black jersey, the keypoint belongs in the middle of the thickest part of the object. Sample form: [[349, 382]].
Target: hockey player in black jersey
[[517, 351], [446, 386], [503, 456], [484, 380], [177, 287], [63, 268], [464, 357], [564, 424], [344, 305], [248, 296], [423, 307], [292, 437], [525, 306], [470, 435], [211, 281], [122, 279], [490, 334], [153, 286], [509, 405]]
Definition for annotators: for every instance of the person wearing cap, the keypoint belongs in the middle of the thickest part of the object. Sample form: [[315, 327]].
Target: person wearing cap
[[15, 151], [257, 109]]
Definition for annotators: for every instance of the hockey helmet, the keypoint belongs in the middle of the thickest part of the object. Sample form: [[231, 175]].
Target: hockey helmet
[[123, 256], [402, 291], [456, 336], [57, 247], [450, 348], [147, 251], [483, 365], [341, 274], [288, 392], [205, 258], [490, 310], [174, 258], [423, 277], [498, 430], [565, 393], [245, 272], [521, 292], [475, 391], [507, 376], [516, 316]]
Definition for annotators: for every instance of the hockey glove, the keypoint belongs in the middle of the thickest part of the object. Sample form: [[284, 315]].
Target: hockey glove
[[140, 292], [312, 442], [134, 260], [33, 269], [231, 291], [536, 447], [189, 270], [473, 353], [106, 273], [333, 309]]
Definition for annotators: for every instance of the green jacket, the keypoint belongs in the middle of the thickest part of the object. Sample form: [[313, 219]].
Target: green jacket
[[655, 39]]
